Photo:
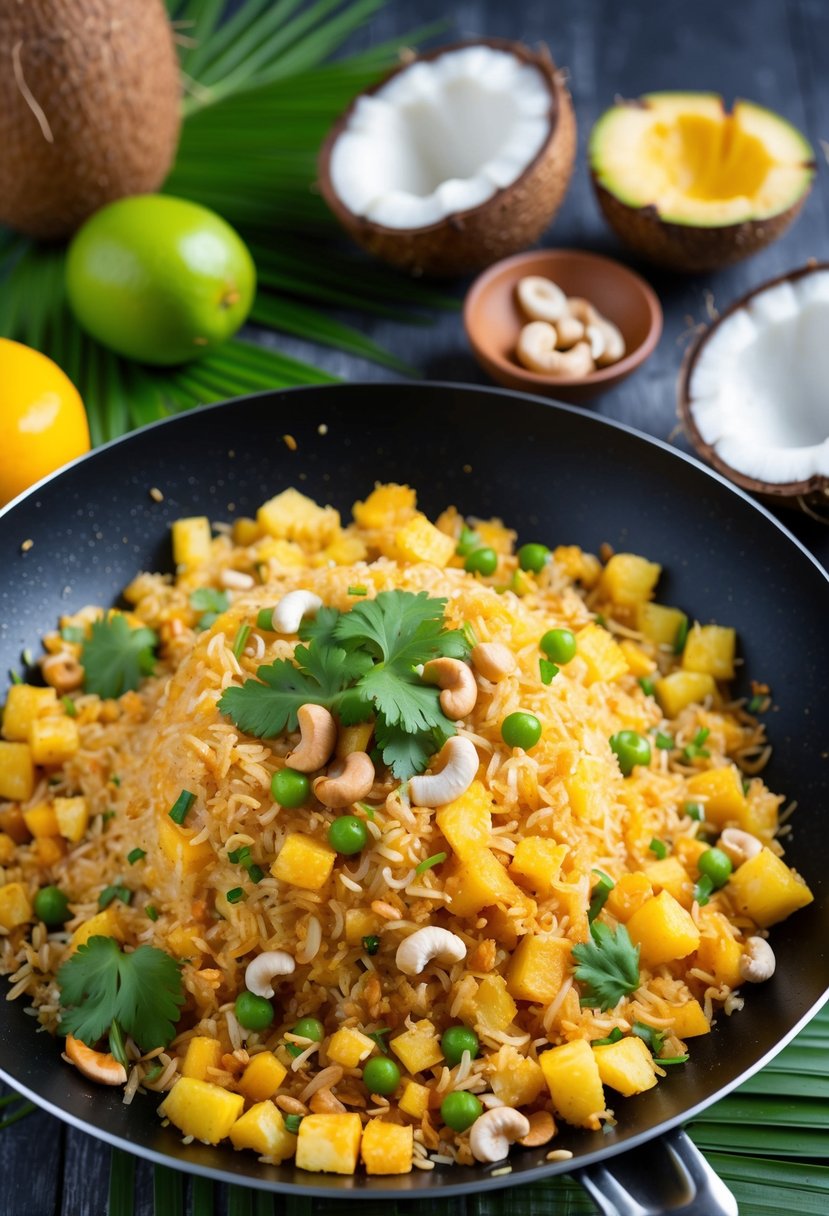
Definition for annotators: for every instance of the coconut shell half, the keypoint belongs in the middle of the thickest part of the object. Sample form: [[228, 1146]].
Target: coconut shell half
[[513, 218]]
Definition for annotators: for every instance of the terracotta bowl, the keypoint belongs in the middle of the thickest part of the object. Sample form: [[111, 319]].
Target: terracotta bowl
[[493, 319]]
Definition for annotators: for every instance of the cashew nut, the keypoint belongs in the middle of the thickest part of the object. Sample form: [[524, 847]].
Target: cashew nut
[[100, 1066], [425, 945], [614, 343], [540, 298], [493, 660], [595, 336], [739, 846], [582, 310], [757, 961], [318, 737], [62, 671], [460, 692], [292, 609], [569, 330], [495, 1130], [261, 971], [537, 351], [347, 781], [458, 764]]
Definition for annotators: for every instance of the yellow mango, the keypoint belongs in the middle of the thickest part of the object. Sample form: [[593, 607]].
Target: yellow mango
[[721, 792], [718, 952], [54, 740], [492, 1007], [360, 923], [690, 1020], [538, 968], [17, 773], [174, 842], [72, 815], [639, 663], [663, 930], [191, 541], [681, 688], [304, 862], [628, 894], [387, 1148], [15, 908], [349, 1047], [601, 653], [414, 1100], [202, 1110], [329, 1143], [262, 1077], [573, 1079], [263, 1129], [537, 862], [659, 623], [41, 820], [669, 874], [517, 1080], [710, 648], [767, 890], [102, 924], [626, 1066], [418, 1048], [202, 1053], [628, 579], [24, 704], [295, 517], [387, 506], [467, 822], [420, 541], [585, 789]]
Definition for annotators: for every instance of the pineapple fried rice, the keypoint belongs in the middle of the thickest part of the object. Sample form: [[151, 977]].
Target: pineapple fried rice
[[396, 846]]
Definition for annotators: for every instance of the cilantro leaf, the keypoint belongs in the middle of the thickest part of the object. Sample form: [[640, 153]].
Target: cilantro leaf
[[404, 701], [116, 657], [407, 752], [402, 629], [209, 599], [141, 991], [608, 966], [320, 628]]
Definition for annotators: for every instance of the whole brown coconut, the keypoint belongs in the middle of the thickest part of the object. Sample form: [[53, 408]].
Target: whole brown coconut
[[89, 108], [512, 219]]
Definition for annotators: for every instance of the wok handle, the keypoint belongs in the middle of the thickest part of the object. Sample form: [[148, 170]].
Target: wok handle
[[668, 1176]]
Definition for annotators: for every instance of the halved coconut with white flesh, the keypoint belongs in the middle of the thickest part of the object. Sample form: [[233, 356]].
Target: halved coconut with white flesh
[[460, 157], [692, 187], [753, 390]]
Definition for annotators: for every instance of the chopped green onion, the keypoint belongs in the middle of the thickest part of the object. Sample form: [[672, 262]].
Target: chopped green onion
[[117, 1046], [666, 742], [378, 1036], [469, 633], [435, 860], [358, 590], [234, 895], [154, 1073], [178, 811], [371, 944], [111, 893], [467, 542], [15, 676], [115, 779], [240, 856], [756, 704], [256, 873], [600, 893], [600, 620], [695, 747], [73, 633], [658, 848], [292, 1123], [746, 784], [647, 685], [240, 641], [547, 670], [69, 707], [703, 889], [264, 619], [613, 1037], [681, 636], [667, 1061], [367, 810], [650, 1036], [107, 815], [694, 811], [151, 912], [136, 855]]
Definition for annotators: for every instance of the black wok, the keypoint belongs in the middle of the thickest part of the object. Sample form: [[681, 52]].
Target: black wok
[[558, 475]]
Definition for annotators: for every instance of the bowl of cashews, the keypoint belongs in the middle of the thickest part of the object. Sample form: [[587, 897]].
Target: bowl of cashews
[[561, 322]]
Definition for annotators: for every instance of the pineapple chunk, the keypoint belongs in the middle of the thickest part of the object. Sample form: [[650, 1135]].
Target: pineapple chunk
[[191, 541], [492, 1007], [517, 1080], [574, 1082], [15, 908], [414, 1100], [689, 850], [721, 791], [669, 874], [626, 1066], [584, 789], [263, 1129], [24, 704], [659, 623], [767, 890], [418, 1048], [329, 1143], [180, 941], [174, 842], [681, 688], [387, 1148], [581, 567], [344, 550], [690, 1020], [537, 861], [304, 862], [494, 535], [54, 740], [538, 968], [49, 850], [710, 648], [292, 516], [41, 820], [72, 815], [13, 823], [202, 1053], [202, 1110], [719, 952], [467, 822], [246, 531], [629, 893], [601, 653], [628, 579], [663, 930], [387, 506], [480, 880], [349, 1047], [17, 774], [282, 552], [360, 923], [102, 924], [420, 541], [639, 663], [262, 1077], [8, 848]]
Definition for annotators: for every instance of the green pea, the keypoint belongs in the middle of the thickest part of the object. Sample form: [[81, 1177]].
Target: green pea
[[631, 749], [348, 834], [310, 1028], [51, 906], [521, 730], [533, 557], [559, 645], [717, 865], [481, 561], [381, 1075], [290, 788], [252, 1011], [455, 1040], [460, 1110]]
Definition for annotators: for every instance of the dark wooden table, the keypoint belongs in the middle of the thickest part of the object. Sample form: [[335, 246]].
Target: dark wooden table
[[769, 51]]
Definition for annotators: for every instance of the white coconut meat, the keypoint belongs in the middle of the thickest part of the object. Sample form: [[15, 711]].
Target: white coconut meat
[[440, 137], [759, 390]]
